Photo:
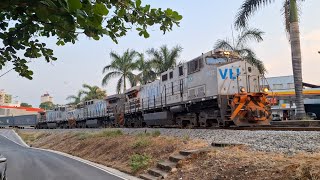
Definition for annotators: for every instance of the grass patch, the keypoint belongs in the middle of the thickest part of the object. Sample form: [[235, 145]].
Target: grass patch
[[106, 134], [83, 135], [156, 133], [29, 138], [141, 142], [186, 137], [139, 162], [112, 133]]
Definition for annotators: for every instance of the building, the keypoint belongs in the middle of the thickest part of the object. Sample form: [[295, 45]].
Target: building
[[46, 98], [280, 83], [5, 98], [282, 96]]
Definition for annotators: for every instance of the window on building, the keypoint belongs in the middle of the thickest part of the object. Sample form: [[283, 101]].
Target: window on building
[[171, 75], [213, 60], [290, 86], [277, 86], [164, 77], [180, 70], [194, 66]]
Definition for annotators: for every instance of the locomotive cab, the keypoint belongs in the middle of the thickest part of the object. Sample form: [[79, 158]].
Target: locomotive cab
[[242, 101]]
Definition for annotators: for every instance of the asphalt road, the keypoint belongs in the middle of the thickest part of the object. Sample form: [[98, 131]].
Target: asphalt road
[[30, 164]]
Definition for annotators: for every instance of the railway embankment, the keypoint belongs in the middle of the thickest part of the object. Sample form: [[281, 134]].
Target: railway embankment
[[262, 155], [113, 148]]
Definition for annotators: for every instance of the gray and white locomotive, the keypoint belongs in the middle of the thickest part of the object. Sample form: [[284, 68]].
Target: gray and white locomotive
[[214, 89]]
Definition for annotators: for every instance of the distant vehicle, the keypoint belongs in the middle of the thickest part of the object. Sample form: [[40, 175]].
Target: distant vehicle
[[3, 168], [276, 117], [312, 115]]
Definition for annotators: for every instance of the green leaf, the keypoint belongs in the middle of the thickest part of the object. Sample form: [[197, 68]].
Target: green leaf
[[121, 12], [100, 9], [49, 3], [74, 4], [176, 16], [60, 43], [146, 34], [138, 3], [168, 12]]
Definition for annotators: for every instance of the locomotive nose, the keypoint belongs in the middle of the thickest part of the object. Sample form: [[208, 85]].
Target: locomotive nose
[[250, 109]]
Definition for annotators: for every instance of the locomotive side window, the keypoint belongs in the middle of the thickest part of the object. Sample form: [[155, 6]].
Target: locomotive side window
[[212, 60], [164, 77], [171, 75], [194, 66], [181, 71]]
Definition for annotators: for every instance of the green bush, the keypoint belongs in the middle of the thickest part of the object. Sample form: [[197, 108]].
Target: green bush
[[141, 142], [156, 133], [138, 162]]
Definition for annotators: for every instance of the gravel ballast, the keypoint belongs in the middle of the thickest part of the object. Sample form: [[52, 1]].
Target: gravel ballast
[[270, 141]]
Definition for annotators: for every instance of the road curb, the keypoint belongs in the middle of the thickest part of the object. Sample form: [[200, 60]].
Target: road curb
[[21, 140], [106, 169]]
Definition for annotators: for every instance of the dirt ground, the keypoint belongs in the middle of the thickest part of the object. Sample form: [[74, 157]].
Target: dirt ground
[[128, 153], [239, 163], [136, 153]]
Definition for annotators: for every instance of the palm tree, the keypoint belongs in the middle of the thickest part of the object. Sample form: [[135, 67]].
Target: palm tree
[[76, 99], [146, 71], [291, 17], [164, 58], [240, 47], [121, 66], [92, 92]]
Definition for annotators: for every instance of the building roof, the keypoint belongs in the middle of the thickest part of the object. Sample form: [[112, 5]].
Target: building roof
[[23, 108]]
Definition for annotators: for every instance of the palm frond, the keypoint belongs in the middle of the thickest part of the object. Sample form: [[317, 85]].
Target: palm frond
[[248, 8], [251, 58], [249, 35], [109, 76], [133, 79], [286, 14], [223, 44], [71, 97], [86, 86]]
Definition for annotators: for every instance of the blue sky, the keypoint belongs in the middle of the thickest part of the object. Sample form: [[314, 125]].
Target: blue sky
[[204, 21]]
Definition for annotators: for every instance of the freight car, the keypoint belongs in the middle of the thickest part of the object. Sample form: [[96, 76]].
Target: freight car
[[214, 89], [19, 121]]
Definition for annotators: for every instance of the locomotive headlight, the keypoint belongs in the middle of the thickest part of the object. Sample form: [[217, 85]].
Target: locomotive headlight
[[242, 89], [265, 90]]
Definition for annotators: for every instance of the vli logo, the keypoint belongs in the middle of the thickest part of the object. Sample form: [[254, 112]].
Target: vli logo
[[224, 73]]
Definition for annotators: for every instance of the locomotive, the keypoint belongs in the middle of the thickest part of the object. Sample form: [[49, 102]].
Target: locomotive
[[217, 88]]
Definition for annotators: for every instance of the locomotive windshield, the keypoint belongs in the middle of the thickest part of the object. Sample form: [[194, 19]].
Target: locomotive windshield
[[215, 60]]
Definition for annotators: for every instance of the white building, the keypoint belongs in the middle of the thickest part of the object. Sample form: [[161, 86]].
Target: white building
[[5, 98], [46, 98], [281, 83]]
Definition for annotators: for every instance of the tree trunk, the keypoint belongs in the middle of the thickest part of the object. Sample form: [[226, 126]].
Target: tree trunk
[[297, 68], [124, 83]]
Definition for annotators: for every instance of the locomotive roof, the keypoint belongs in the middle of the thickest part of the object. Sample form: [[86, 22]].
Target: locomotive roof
[[135, 88], [115, 96]]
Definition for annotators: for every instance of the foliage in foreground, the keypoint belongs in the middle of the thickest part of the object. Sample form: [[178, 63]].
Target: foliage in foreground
[[25, 23], [138, 162]]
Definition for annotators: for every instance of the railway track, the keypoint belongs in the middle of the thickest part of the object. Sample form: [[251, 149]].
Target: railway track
[[274, 128]]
